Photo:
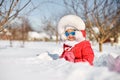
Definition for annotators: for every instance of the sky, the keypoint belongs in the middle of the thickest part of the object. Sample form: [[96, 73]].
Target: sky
[[45, 9], [49, 9]]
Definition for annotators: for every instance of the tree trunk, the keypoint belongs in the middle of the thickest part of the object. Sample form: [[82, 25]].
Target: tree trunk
[[11, 44], [56, 37], [100, 46]]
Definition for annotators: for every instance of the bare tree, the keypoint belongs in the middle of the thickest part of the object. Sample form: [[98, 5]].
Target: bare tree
[[104, 18], [117, 22], [101, 14], [9, 10], [50, 26]]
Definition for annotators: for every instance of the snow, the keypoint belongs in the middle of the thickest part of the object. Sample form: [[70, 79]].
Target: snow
[[96, 29], [35, 35], [39, 61]]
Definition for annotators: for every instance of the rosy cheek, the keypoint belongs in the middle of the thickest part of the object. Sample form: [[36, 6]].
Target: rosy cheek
[[71, 37]]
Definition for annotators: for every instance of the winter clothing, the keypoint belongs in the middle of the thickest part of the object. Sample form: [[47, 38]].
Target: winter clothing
[[69, 27], [80, 35], [81, 52], [78, 50], [70, 21]]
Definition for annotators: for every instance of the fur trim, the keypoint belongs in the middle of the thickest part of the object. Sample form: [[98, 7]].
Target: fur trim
[[79, 36], [69, 27], [63, 37], [71, 43]]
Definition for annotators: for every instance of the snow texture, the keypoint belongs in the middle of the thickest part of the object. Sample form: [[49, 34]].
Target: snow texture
[[40, 61]]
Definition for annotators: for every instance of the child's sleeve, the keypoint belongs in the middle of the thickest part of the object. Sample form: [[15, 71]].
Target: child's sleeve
[[88, 53]]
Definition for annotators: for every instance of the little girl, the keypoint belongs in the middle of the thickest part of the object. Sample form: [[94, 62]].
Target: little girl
[[75, 48]]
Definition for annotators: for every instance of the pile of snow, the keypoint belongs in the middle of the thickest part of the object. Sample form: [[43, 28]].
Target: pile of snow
[[32, 35], [40, 61], [44, 56], [96, 30]]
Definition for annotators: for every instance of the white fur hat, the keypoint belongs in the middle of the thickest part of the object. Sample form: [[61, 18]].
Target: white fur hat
[[69, 27], [70, 21]]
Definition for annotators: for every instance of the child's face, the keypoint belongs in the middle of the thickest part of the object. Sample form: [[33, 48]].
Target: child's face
[[70, 34]]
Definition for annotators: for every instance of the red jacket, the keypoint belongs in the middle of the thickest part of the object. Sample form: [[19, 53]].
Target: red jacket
[[81, 52]]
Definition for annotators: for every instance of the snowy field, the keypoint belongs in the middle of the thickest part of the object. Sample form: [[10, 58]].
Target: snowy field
[[39, 61]]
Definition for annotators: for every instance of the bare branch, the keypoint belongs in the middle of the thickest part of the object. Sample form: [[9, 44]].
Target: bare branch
[[1, 3], [10, 12]]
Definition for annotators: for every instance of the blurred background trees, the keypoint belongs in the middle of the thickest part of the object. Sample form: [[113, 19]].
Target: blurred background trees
[[102, 18], [101, 14], [9, 10]]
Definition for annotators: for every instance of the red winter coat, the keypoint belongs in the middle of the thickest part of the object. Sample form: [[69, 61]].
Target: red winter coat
[[81, 52]]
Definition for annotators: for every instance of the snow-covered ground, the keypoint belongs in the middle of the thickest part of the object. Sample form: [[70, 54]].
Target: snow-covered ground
[[39, 61]]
